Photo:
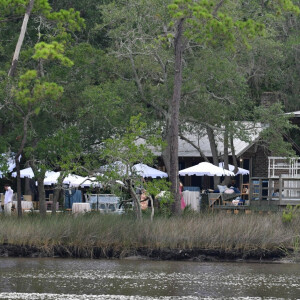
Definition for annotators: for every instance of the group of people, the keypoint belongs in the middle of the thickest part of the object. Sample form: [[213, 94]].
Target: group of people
[[8, 200]]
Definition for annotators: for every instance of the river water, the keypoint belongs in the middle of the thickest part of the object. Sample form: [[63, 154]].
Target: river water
[[46, 279]]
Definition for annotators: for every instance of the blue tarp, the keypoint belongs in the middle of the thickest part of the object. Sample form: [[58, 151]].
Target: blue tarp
[[191, 188], [73, 197]]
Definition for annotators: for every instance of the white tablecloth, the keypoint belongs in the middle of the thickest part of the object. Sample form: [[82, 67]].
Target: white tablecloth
[[80, 208], [24, 204], [192, 199]]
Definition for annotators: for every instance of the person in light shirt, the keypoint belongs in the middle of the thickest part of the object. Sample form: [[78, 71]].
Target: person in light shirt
[[8, 199]]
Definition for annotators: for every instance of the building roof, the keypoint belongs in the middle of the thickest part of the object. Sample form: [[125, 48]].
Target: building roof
[[187, 150], [295, 113]]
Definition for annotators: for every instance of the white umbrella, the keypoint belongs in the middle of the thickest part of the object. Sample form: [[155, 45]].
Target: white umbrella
[[72, 180], [28, 173], [240, 171], [207, 169], [146, 171], [51, 178], [24, 173]]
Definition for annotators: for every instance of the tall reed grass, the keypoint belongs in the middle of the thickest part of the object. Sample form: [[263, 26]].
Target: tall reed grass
[[213, 231]]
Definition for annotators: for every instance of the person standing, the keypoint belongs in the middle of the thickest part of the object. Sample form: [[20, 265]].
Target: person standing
[[8, 199], [182, 203]]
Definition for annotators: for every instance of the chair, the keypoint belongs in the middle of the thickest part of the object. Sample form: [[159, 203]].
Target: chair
[[213, 198], [227, 198]]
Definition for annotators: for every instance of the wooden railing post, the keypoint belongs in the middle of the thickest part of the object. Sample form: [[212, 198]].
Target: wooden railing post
[[260, 191], [270, 191], [280, 189], [250, 190]]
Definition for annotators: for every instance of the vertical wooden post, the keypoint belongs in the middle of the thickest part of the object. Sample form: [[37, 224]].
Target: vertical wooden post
[[280, 189], [270, 191], [250, 190], [260, 191]]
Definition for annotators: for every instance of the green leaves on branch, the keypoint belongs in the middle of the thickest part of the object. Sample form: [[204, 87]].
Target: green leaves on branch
[[68, 19], [285, 5], [32, 90], [60, 150], [205, 25], [134, 146], [277, 126], [53, 51]]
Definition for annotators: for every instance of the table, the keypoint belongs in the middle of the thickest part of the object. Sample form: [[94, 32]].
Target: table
[[26, 205], [81, 208]]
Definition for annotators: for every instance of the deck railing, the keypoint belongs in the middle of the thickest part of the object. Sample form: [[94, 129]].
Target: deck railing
[[282, 190]]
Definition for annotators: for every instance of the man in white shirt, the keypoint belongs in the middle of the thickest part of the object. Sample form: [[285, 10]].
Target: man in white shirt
[[8, 200]]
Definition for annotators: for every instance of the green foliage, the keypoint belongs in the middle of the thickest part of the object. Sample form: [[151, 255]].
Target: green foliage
[[61, 150], [129, 147], [68, 19], [165, 204], [53, 51], [127, 150], [276, 126], [165, 200], [290, 213], [33, 91], [206, 26]]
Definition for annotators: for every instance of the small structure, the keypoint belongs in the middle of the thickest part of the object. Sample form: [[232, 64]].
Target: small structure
[[105, 203], [281, 187]]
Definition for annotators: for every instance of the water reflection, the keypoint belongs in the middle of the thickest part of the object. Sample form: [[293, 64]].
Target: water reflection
[[103, 279]]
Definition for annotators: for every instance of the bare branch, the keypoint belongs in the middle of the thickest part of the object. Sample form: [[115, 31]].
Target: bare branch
[[218, 6], [194, 145]]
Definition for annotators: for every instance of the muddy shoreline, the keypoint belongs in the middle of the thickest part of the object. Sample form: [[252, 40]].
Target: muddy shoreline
[[8, 250]]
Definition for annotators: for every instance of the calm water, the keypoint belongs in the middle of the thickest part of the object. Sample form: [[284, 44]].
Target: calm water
[[102, 279]]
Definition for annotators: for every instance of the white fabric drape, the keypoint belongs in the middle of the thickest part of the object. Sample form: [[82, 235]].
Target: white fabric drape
[[192, 199]]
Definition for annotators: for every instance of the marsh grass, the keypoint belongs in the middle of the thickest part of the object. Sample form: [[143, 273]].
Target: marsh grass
[[212, 231]]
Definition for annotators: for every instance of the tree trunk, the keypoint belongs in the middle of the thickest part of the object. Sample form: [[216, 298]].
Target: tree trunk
[[136, 200], [12, 70], [42, 199], [27, 190], [234, 160], [166, 150], [174, 123], [152, 207], [226, 156], [11, 73], [57, 191], [17, 157], [56, 195], [214, 152], [19, 200]]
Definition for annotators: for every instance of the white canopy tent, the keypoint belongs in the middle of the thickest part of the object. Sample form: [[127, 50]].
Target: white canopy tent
[[140, 169], [241, 171], [146, 171], [72, 180], [25, 173], [51, 177], [207, 169]]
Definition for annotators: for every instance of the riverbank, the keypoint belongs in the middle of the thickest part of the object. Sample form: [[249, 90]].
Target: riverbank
[[208, 237]]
